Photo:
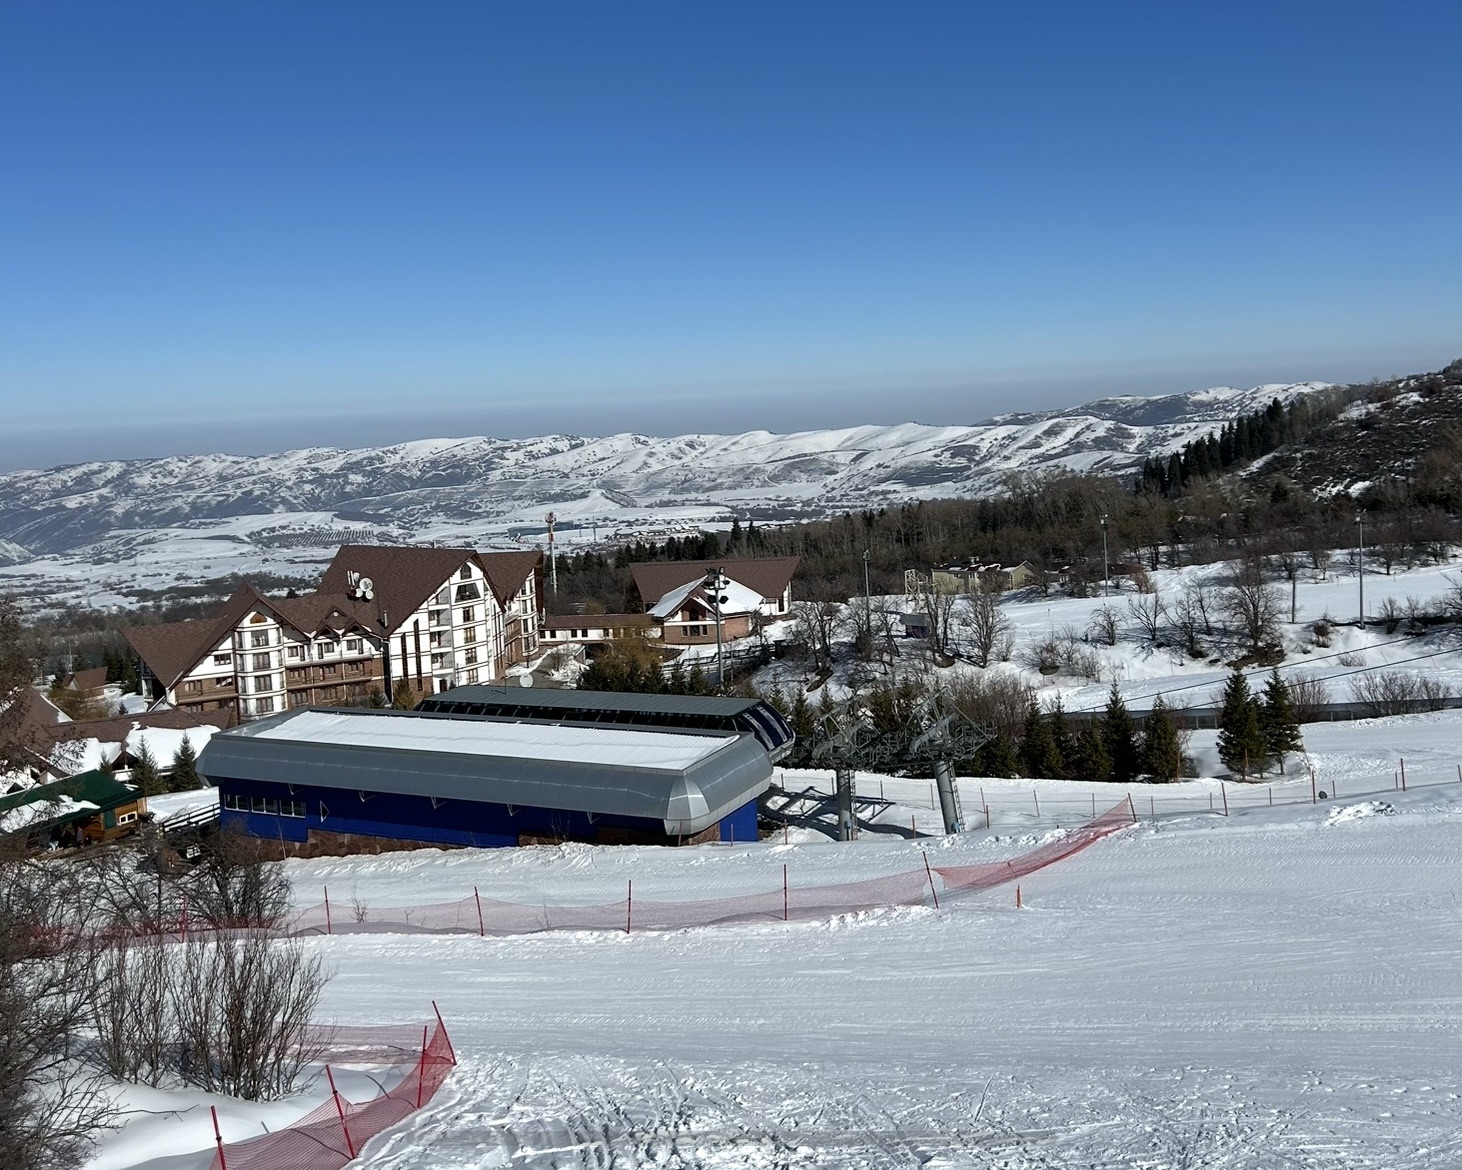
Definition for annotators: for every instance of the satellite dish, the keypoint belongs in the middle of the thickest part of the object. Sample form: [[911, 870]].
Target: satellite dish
[[525, 680], [365, 589]]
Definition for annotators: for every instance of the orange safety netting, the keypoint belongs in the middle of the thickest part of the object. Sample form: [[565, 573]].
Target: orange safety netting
[[484, 916], [334, 1132]]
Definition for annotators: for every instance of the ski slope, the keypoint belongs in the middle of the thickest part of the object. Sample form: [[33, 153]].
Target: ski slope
[[1278, 988]]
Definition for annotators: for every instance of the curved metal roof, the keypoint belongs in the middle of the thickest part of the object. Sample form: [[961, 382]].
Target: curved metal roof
[[687, 780]]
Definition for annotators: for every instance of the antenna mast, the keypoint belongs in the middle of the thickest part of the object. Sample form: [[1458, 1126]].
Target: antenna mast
[[552, 557]]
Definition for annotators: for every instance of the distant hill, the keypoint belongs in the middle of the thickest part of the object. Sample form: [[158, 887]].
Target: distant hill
[[487, 486]]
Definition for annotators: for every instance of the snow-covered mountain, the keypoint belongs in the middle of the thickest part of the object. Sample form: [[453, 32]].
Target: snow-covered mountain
[[155, 512]]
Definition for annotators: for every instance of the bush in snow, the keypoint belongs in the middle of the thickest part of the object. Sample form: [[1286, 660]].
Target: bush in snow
[[1398, 693]]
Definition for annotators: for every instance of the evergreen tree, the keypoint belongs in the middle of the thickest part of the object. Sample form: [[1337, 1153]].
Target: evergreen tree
[[403, 698], [1092, 761], [1162, 755], [1061, 736], [145, 777], [1279, 721], [802, 723], [1038, 754], [184, 776], [997, 758], [1119, 737], [1241, 744]]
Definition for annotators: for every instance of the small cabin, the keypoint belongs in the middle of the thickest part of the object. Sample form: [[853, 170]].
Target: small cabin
[[77, 810]]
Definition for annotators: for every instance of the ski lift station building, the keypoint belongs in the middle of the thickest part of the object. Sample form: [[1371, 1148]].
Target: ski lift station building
[[332, 780]]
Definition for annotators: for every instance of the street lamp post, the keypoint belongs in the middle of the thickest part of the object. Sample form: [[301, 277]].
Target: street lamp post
[[716, 584], [1360, 561], [1106, 567]]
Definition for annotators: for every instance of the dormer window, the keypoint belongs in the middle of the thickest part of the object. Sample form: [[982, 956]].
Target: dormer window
[[465, 574]]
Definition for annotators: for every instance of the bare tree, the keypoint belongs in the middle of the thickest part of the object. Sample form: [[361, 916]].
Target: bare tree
[[1148, 612], [243, 1004], [237, 882], [1309, 696], [985, 627], [1395, 692], [52, 1102], [1290, 566], [942, 607], [20, 739], [1252, 604], [816, 625], [1103, 625]]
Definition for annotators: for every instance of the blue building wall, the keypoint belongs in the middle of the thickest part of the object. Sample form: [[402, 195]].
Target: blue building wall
[[418, 818]]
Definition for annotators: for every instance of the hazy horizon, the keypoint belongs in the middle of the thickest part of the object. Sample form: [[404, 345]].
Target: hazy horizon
[[39, 448]]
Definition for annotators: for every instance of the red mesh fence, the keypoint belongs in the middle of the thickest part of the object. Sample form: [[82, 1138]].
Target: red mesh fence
[[478, 915], [334, 1132]]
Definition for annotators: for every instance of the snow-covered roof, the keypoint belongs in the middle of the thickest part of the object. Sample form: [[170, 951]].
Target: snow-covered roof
[[476, 737], [687, 780], [739, 599]]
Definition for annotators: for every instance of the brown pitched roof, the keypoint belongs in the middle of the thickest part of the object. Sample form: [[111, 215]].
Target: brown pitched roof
[[769, 576], [316, 612], [402, 576], [608, 621], [116, 729], [174, 648], [88, 680], [506, 571]]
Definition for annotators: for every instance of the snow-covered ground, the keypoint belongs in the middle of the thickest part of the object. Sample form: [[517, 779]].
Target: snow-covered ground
[[1278, 988], [1142, 670]]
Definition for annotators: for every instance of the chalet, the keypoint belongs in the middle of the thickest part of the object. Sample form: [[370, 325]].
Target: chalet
[[431, 617], [674, 596], [82, 809], [978, 578]]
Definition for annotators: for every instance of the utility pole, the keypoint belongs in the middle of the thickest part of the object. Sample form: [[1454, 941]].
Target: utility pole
[[1106, 567], [867, 600], [552, 557], [1360, 561]]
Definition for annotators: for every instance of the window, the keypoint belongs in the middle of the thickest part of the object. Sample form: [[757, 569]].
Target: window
[[263, 682], [193, 686], [442, 684], [437, 617], [291, 808], [234, 803], [468, 592], [321, 649], [126, 818], [223, 659], [352, 646], [354, 667], [262, 662], [259, 638], [329, 694], [329, 671], [469, 657], [469, 634], [444, 595], [472, 676], [223, 684], [469, 614], [296, 651], [263, 706], [465, 574], [695, 631]]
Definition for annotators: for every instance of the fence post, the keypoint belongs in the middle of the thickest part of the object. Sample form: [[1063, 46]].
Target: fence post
[[913, 824], [1093, 805], [1210, 802], [784, 891], [1271, 794], [1037, 799], [1151, 807], [327, 911], [1131, 807], [442, 1024], [629, 905], [1017, 897], [930, 873], [1403, 773], [1224, 789], [481, 929], [340, 1109], [420, 1068], [987, 816], [218, 1138], [1314, 799]]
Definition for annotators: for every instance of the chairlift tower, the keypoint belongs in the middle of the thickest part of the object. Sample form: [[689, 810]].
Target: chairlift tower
[[943, 734]]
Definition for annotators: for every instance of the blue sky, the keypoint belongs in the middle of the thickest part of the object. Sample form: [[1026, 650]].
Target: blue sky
[[252, 226]]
